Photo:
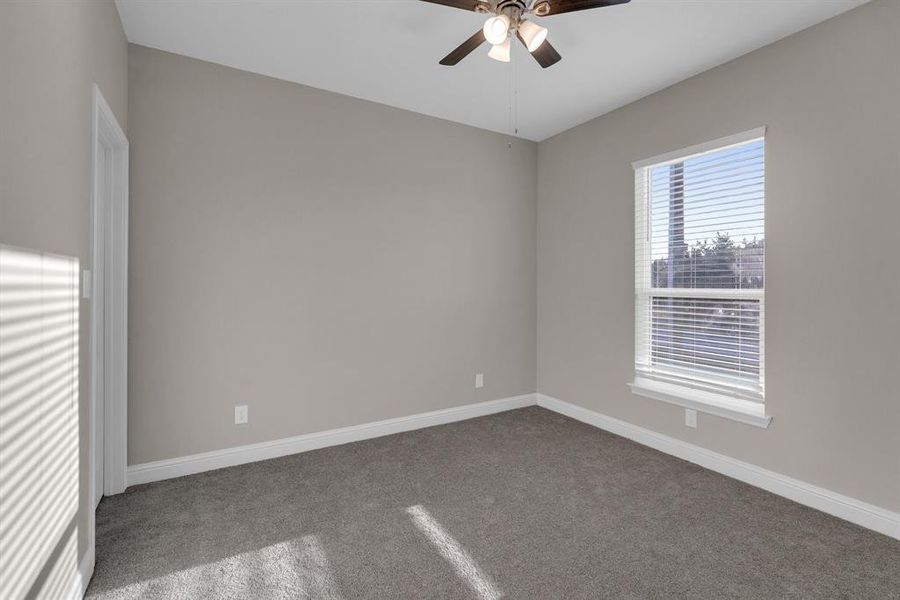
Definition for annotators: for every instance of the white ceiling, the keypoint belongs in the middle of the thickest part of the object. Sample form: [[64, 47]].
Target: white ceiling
[[387, 51]]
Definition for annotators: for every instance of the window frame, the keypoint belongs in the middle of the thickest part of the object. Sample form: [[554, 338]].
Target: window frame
[[689, 388]]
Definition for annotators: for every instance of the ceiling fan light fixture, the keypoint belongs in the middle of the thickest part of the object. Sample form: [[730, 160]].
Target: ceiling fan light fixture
[[500, 51], [507, 16], [533, 34], [496, 29]]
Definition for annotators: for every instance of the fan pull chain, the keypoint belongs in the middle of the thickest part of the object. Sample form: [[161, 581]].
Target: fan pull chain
[[509, 110], [515, 67], [513, 98]]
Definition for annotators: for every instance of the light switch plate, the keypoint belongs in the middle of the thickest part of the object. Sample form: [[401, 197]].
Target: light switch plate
[[241, 415], [690, 417], [479, 380], [87, 283]]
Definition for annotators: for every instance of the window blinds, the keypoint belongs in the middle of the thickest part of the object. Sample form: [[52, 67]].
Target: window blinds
[[700, 266]]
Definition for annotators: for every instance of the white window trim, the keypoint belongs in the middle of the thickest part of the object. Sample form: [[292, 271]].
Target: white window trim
[[717, 144], [745, 407], [729, 407]]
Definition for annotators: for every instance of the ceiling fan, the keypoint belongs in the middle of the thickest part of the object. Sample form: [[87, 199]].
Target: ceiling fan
[[508, 18]]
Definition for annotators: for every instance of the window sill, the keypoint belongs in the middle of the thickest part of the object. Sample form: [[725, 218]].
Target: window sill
[[743, 411]]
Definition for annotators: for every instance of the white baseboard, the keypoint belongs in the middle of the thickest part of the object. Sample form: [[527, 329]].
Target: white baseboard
[[229, 457], [83, 575], [844, 507]]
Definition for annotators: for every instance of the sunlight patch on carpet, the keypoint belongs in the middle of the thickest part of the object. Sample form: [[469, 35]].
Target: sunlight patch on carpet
[[464, 565], [298, 568]]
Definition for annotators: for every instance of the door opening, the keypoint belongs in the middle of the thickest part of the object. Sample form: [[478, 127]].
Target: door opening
[[107, 286]]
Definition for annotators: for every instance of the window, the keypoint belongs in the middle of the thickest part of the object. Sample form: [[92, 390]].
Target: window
[[700, 271]]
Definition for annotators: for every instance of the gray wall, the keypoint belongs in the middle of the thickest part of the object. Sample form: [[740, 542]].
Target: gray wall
[[51, 53], [830, 96], [325, 260]]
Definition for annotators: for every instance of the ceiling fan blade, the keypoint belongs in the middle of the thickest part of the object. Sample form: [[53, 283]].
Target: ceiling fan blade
[[464, 49], [546, 54], [463, 4], [558, 7]]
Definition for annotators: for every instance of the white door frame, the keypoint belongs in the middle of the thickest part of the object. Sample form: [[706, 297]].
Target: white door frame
[[109, 307]]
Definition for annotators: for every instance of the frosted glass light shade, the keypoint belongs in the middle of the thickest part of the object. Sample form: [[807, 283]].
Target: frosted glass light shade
[[533, 34], [496, 28], [500, 51]]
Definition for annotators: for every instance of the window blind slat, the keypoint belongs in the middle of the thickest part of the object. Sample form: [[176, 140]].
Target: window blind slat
[[734, 181]]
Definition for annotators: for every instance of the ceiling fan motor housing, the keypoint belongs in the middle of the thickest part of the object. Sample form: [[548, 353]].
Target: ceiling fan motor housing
[[514, 9]]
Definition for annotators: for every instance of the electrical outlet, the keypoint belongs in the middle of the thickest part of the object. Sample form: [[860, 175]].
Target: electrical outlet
[[240, 414], [479, 380], [690, 417]]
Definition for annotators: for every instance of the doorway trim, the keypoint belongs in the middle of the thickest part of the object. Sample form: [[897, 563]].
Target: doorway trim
[[109, 307]]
